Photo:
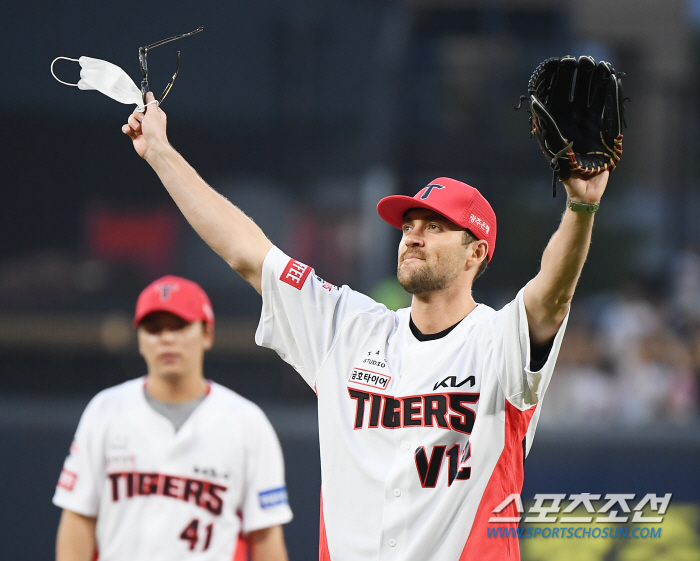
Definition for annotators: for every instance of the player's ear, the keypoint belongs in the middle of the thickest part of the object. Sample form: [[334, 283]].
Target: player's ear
[[208, 334], [477, 252], [139, 334]]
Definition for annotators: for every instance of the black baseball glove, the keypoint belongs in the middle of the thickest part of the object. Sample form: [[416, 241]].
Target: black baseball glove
[[577, 114]]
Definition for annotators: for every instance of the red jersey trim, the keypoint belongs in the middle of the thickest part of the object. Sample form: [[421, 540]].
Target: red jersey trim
[[241, 550], [323, 553], [506, 479]]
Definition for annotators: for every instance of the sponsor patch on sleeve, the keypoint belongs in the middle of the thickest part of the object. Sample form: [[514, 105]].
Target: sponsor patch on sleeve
[[295, 274], [369, 378], [67, 479], [273, 497], [325, 285]]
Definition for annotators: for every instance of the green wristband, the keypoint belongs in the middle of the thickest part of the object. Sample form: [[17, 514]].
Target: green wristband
[[582, 207]]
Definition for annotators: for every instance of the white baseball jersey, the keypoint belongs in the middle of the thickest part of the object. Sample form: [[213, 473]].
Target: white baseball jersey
[[165, 495], [420, 440]]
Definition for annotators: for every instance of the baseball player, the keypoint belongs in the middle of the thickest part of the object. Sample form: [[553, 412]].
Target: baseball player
[[172, 466], [425, 414]]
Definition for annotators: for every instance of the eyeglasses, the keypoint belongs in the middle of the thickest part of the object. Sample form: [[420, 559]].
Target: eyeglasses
[[143, 52]]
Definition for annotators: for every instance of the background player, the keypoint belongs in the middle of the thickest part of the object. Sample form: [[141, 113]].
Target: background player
[[448, 382], [171, 465]]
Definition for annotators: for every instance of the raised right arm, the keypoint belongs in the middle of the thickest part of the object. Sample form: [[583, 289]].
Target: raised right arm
[[227, 230]]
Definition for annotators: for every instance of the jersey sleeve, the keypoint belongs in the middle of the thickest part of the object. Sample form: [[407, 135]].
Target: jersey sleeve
[[80, 482], [511, 355], [302, 315], [265, 502]]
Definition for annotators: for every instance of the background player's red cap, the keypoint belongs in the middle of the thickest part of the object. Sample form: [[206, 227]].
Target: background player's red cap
[[182, 297], [456, 201]]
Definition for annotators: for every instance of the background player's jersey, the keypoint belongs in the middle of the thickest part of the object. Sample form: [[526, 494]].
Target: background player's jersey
[[165, 495], [420, 441]]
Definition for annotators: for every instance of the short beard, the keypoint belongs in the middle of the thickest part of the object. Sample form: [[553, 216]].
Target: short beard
[[426, 279]]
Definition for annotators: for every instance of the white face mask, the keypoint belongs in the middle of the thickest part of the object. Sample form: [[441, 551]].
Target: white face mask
[[108, 78]]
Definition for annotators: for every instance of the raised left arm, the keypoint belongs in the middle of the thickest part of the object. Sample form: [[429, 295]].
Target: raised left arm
[[549, 294]]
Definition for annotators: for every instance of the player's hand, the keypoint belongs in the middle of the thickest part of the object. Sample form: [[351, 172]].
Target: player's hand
[[147, 130], [586, 190]]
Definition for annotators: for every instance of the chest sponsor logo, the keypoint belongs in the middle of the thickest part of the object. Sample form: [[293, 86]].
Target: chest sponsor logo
[[369, 378], [373, 360], [273, 497], [295, 274], [204, 494], [448, 411], [118, 442], [120, 461], [212, 472], [451, 382]]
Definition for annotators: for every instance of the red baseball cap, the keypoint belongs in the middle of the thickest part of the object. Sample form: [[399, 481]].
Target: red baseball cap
[[182, 297], [456, 201]]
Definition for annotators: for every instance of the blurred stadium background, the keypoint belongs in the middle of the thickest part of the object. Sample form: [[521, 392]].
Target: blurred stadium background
[[305, 113]]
